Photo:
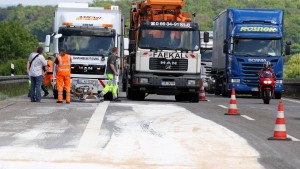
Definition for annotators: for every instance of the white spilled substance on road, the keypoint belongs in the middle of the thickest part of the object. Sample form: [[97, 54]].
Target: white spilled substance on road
[[146, 136]]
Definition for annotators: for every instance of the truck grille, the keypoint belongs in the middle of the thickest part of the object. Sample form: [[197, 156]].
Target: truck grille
[[168, 64], [88, 69], [250, 70]]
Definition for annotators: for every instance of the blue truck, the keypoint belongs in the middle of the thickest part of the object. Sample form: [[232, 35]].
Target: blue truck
[[243, 40]]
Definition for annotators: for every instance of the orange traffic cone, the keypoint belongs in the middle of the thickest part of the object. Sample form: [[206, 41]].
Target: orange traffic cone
[[232, 107], [280, 129], [202, 93]]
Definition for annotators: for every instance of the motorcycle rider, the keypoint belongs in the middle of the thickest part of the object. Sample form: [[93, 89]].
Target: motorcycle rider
[[267, 67]]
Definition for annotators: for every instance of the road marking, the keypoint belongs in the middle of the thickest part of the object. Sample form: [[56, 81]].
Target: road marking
[[247, 117], [293, 138], [223, 106], [89, 138], [295, 101]]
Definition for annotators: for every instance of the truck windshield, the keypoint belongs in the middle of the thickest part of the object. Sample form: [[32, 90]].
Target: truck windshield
[[87, 45], [257, 47], [169, 39], [206, 55]]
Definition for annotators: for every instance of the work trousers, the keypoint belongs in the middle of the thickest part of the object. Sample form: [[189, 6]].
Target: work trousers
[[63, 82], [111, 85]]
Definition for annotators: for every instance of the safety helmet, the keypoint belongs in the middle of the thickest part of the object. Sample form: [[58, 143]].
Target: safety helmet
[[267, 64]]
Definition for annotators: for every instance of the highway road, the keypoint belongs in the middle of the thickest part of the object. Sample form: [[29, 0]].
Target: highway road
[[155, 133]]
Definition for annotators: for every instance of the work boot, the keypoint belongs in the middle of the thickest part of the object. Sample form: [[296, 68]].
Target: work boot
[[59, 101], [116, 100], [46, 94]]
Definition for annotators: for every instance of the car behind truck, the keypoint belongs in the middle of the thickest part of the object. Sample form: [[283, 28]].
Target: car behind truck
[[243, 40]]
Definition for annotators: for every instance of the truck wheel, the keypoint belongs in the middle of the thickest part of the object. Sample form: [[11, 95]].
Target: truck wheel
[[137, 95], [128, 93], [277, 95], [180, 97], [194, 97]]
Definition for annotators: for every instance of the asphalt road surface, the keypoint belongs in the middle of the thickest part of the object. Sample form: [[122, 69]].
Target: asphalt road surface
[[155, 133]]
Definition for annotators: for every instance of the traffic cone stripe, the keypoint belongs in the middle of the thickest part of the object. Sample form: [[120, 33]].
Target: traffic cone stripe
[[280, 127], [280, 114], [280, 135], [280, 121], [233, 106], [232, 101], [233, 97]]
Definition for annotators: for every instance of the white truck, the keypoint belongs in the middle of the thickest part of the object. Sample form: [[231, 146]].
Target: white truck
[[88, 34], [206, 62]]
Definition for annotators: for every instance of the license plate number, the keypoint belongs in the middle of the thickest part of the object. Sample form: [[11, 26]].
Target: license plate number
[[86, 81], [255, 89], [168, 83]]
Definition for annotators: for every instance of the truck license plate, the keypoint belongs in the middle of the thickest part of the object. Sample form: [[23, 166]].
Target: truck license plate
[[87, 81], [255, 89], [168, 83]]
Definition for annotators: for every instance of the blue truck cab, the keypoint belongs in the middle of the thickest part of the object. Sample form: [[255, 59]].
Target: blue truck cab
[[243, 40]]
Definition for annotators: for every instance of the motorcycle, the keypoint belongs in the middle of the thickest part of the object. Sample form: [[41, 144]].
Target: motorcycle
[[266, 86]]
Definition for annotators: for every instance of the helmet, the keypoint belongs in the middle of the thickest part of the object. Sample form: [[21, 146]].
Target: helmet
[[267, 64]]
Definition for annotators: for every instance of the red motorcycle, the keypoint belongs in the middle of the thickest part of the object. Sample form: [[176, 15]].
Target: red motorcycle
[[266, 86]]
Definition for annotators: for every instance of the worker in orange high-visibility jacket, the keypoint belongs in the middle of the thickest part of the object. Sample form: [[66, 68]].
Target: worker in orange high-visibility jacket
[[63, 75], [48, 76]]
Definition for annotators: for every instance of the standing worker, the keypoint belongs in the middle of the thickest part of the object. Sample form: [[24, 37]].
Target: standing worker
[[111, 73], [35, 64], [63, 75], [48, 76]]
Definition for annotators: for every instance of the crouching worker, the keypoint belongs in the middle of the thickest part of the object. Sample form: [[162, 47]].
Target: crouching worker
[[111, 74], [63, 75]]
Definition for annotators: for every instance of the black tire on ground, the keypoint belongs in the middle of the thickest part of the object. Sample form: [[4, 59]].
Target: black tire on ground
[[277, 95], [180, 97], [137, 95], [194, 97]]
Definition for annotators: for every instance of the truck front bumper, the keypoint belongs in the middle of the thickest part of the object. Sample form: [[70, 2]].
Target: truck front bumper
[[166, 85], [245, 89]]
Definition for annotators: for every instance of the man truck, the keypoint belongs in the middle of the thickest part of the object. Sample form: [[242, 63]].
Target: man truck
[[206, 56], [243, 40], [88, 34], [164, 51]]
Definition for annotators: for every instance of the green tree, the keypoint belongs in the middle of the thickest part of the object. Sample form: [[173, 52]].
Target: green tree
[[292, 68], [15, 41]]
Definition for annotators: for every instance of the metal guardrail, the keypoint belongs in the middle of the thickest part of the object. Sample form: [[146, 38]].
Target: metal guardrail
[[13, 79], [292, 88]]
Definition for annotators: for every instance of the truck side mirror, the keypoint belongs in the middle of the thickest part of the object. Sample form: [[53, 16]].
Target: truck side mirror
[[206, 37], [131, 34], [225, 47], [47, 44], [288, 48]]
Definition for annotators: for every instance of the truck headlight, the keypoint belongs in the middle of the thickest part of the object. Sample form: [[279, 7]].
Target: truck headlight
[[191, 82], [279, 81], [235, 80], [143, 80]]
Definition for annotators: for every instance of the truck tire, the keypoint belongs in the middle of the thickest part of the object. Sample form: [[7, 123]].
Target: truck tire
[[180, 97], [137, 95], [277, 95], [194, 97]]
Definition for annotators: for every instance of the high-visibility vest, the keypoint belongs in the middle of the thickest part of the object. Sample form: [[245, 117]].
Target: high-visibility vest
[[64, 65], [49, 67]]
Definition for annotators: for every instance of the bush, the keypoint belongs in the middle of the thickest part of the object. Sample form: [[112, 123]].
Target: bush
[[292, 68], [19, 64]]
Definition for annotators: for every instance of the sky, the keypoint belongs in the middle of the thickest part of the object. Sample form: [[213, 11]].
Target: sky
[[37, 2]]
